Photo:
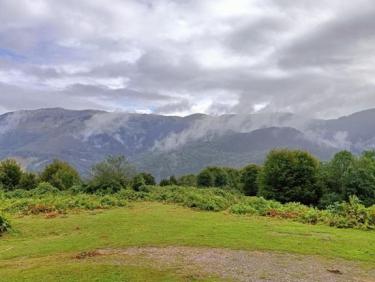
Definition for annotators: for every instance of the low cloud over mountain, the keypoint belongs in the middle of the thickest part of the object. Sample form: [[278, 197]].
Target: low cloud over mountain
[[166, 145]]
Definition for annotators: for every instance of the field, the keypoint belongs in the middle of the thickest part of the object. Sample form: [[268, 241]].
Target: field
[[148, 241]]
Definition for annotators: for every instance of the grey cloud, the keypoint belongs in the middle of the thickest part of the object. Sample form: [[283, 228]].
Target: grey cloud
[[340, 41], [309, 57]]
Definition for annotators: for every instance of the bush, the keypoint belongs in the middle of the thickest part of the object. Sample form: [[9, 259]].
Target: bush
[[211, 199], [258, 204], [104, 186], [60, 175], [4, 224], [45, 188], [350, 214]]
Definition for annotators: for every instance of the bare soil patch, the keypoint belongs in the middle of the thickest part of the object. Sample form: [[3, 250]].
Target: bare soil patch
[[238, 265]]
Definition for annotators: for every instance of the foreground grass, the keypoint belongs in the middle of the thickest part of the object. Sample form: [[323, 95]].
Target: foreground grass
[[24, 252]]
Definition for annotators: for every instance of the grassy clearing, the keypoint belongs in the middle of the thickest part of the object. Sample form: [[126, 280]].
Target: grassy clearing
[[156, 224]]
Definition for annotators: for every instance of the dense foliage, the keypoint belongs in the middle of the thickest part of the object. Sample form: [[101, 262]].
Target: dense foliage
[[290, 176], [290, 184], [4, 224], [60, 174], [110, 175], [10, 174], [249, 176], [52, 202]]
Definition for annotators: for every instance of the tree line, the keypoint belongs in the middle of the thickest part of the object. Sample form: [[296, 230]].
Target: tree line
[[285, 176]]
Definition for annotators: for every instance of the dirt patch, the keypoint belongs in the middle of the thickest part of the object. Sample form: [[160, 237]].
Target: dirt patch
[[90, 254], [239, 265]]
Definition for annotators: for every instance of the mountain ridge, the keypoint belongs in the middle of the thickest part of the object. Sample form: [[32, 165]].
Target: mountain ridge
[[177, 144]]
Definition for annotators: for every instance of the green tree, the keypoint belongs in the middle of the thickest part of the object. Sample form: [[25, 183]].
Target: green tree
[[332, 175], [213, 177], [164, 182], [60, 174], [28, 181], [187, 180], [111, 175], [234, 177], [290, 176], [359, 180], [148, 178], [138, 182], [172, 180], [10, 174], [249, 175], [205, 178]]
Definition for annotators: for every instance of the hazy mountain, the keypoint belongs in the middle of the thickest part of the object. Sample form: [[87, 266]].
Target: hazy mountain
[[166, 145]]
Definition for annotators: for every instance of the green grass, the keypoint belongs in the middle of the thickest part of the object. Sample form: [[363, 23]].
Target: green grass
[[24, 251]]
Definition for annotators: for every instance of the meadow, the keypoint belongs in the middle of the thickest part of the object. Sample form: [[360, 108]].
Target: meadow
[[38, 246]]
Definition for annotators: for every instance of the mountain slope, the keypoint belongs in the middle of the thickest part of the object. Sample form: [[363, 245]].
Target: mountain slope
[[166, 145]]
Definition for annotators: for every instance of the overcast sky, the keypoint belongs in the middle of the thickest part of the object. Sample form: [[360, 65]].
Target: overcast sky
[[313, 57]]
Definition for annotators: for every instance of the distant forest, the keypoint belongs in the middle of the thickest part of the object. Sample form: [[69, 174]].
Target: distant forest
[[285, 176]]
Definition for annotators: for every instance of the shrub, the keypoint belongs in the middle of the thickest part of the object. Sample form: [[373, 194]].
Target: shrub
[[104, 186], [4, 224], [350, 214], [212, 199], [60, 175], [45, 188], [18, 193], [258, 204]]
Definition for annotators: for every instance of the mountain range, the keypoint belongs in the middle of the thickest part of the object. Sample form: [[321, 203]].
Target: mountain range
[[172, 145]]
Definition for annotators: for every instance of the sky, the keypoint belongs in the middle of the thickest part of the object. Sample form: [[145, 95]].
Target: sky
[[179, 57]]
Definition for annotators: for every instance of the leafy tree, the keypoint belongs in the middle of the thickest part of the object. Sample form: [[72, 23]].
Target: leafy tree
[[60, 174], [172, 180], [290, 176], [249, 175], [206, 178], [164, 182], [234, 177], [187, 180], [138, 182], [213, 176], [148, 178], [111, 175], [332, 175], [359, 180], [10, 174], [28, 181]]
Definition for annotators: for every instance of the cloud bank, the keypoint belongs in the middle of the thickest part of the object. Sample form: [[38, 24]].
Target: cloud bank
[[314, 58]]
